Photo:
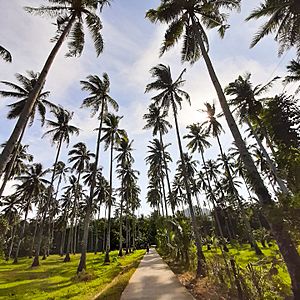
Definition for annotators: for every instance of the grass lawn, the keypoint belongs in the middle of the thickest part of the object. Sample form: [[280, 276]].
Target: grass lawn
[[55, 279], [244, 255]]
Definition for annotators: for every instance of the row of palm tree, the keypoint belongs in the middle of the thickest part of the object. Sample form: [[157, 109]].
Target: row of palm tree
[[188, 19], [60, 132]]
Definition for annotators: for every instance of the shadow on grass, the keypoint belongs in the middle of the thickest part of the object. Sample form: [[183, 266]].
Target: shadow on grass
[[118, 285]]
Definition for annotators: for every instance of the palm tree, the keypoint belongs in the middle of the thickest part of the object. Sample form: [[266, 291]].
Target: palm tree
[[70, 16], [98, 100], [112, 135], [70, 205], [283, 21], [294, 74], [156, 120], [60, 133], [10, 209], [157, 158], [198, 142], [125, 160], [5, 54], [81, 156], [21, 92], [189, 18], [249, 109], [32, 185], [172, 95]]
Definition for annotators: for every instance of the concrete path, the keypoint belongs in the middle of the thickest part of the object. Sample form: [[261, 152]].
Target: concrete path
[[153, 280]]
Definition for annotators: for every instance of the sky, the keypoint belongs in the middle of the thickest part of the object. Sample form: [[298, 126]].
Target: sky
[[131, 48]]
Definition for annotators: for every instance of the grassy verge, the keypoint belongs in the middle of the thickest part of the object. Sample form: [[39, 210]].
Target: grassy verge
[[57, 280], [268, 273]]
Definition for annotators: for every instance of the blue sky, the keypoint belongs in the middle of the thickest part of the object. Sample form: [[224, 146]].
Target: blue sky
[[131, 48]]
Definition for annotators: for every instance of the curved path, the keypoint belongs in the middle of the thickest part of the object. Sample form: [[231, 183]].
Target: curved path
[[153, 280]]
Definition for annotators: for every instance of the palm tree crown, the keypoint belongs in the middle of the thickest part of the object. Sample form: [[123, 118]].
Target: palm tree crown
[[76, 12], [21, 92], [187, 19], [283, 20]]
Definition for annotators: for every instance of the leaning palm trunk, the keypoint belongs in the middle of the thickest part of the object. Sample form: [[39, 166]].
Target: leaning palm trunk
[[268, 159], [82, 262], [21, 123], [281, 235], [201, 264], [36, 262], [240, 205], [12, 162], [106, 259]]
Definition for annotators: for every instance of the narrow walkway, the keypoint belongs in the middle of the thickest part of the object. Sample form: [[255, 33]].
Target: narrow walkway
[[153, 280]]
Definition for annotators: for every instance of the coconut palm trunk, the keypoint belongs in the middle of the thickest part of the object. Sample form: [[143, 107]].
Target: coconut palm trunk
[[12, 162], [106, 259], [164, 193], [268, 159], [127, 226], [34, 236], [166, 166], [240, 205], [86, 223], [201, 264], [13, 235], [121, 222], [161, 200], [23, 230], [281, 235], [96, 232], [36, 262], [22, 121]]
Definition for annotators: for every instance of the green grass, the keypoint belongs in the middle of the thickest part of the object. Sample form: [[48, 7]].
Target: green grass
[[55, 279], [243, 255]]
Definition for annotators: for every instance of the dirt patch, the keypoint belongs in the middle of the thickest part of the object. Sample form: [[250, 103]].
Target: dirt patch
[[202, 289]]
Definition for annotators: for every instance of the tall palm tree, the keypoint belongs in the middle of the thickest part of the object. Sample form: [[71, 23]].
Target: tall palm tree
[[125, 160], [294, 74], [21, 92], [5, 54], [189, 18], [80, 156], [98, 100], [155, 119], [283, 21], [170, 96], [70, 16], [198, 142], [249, 109], [60, 133], [71, 204], [112, 135], [157, 158], [32, 185]]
